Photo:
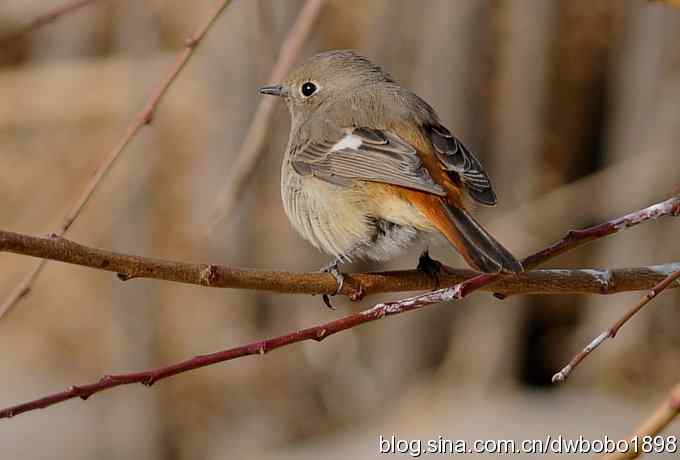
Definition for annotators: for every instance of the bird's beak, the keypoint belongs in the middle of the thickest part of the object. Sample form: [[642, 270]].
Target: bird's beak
[[274, 90]]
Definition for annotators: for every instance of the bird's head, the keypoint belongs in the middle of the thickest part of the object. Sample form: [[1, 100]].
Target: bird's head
[[337, 75]]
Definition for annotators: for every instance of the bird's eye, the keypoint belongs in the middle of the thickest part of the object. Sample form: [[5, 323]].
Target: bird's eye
[[308, 88]]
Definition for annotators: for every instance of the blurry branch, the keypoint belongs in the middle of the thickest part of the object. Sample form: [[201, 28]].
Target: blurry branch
[[143, 118], [209, 274], [599, 281], [675, 3], [657, 422], [44, 19], [257, 134], [266, 47], [610, 333]]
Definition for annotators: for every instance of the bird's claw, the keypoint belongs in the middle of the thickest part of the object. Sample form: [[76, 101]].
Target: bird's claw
[[332, 269], [432, 268], [327, 301]]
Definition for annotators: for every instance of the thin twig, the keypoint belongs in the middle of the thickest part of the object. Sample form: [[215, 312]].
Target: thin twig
[[258, 133], [317, 333], [260, 347], [670, 207], [610, 333], [44, 19], [128, 267], [655, 424], [144, 117]]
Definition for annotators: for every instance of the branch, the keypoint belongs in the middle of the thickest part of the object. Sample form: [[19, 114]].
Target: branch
[[318, 333], [675, 3], [576, 238], [144, 117], [150, 377], [257, 135], [610, 333], [597, 281], [557, 281], [44, 19], [670, 207], [660, 419]]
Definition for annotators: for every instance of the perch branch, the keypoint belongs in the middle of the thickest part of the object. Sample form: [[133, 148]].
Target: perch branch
[[557, 281], [318, 333], [610, 333], [44, 19], [655, 424], [144, 117], [257, 134], [60, 249]]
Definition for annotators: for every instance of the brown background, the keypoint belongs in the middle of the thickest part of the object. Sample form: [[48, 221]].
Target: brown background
[[574, 106]]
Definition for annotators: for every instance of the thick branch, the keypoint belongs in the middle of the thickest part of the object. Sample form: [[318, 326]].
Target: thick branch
[[143, 118], [578, 281], [532, 282]]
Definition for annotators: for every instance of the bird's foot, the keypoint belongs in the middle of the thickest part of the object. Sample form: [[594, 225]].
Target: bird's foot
[[432, 268], [332, 269]]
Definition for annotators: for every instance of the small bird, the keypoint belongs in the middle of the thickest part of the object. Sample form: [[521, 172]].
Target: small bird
[[369, 168]]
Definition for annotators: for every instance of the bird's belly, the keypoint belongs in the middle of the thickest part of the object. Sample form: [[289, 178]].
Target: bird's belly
[[332, 218], [354, 221]]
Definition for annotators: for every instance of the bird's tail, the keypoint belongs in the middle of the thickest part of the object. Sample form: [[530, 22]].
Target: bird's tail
[[479, 249], [476, 245]]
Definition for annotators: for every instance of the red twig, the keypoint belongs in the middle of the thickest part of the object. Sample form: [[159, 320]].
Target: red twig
[[44, 19], [319, 332], [610, 333], [261, 347], [669, 207], [143, 118]]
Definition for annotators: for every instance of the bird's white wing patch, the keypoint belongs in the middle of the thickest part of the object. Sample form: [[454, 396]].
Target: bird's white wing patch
[[350, 141]]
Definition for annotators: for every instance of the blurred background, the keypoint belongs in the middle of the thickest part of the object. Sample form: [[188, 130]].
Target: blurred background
[[574, 107]]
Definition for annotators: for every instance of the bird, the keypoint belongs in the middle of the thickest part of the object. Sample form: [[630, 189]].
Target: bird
[[370, 169]]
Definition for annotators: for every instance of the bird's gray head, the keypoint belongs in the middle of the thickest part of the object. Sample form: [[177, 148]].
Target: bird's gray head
[[329, 76]]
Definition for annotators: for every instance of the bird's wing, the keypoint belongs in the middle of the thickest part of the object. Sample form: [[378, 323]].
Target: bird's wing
[[382, 156], [458, 160], [365, 154]]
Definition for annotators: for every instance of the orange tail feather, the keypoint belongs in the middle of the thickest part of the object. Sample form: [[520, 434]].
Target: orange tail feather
[[479, 249]]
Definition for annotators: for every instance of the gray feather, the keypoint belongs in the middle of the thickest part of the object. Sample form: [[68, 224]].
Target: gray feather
[[460, 161], [365, 154]]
